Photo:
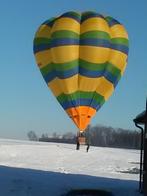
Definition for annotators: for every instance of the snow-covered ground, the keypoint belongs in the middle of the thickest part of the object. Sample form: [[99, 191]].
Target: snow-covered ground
[[51, 169]]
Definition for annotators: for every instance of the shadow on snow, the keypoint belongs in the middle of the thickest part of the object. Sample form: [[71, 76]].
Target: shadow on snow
[[30, 182]]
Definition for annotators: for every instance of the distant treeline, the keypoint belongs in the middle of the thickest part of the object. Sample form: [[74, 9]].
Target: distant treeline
[[97, 136]]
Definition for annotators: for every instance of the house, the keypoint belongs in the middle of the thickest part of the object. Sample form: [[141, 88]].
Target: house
[[141, 122]]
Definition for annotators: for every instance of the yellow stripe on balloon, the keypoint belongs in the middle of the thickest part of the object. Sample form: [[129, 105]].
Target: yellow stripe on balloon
[[123, 69], [87, 84], [63, 54], [104, 88], [94, 54], [55, 87], [66, 24], [68, 85], [118, 59], [118, 31], [44, 31], [94, 24], [100, 85], [43, 58]]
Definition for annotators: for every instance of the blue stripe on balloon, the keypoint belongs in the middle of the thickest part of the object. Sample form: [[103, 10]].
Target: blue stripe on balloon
[[120, 47], [81, 102], [91, 73], [104, 43], [111, 78], [63, 42], [90, 15], [112, 22], [83, 42], [70, 15], [41, 47], [60, 74], [50, 76], [49, 22], [87, 42], [95, 42], [67, 73], [70, 104], [98, 107], [82, 71], [102, 73]]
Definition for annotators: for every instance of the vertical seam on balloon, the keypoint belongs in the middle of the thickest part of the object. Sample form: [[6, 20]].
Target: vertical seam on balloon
[[79, 61], [94, 95], [73, 105], [91, 103], [111, 48], [105, 69], [52, 57], [77, 79]]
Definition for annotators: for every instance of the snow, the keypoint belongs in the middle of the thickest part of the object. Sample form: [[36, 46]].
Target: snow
[[52, 169]]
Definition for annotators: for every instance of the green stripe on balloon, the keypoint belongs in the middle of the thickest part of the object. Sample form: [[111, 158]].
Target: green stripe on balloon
[[114, 70], [92, 66], [95, 34], [41, 40], [84, 64], [99, 67], [83, 95], [122, 41], [58, 67], [46, 69], [64, 34], [66, 66]]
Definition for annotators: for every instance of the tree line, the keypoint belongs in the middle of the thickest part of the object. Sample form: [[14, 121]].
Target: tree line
[[97, 136]]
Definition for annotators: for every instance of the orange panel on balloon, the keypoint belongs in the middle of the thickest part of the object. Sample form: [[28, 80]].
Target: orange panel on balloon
[[81, 116]]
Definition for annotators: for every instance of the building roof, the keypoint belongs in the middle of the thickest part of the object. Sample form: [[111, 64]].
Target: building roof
[[141, 118]]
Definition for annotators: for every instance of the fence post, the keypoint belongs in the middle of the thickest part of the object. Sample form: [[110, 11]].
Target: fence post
[[145, 155]]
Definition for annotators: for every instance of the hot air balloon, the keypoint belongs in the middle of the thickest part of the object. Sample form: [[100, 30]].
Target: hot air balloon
[[81, 56]]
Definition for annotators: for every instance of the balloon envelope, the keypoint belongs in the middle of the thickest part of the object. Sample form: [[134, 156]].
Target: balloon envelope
[[81, 56]]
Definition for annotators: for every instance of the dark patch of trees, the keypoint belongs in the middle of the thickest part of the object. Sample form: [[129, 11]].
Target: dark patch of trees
[[32, 136], [69, 138], [98, 136], [110, 137]]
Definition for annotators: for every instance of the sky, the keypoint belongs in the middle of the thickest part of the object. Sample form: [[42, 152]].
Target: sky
[[25, 101]]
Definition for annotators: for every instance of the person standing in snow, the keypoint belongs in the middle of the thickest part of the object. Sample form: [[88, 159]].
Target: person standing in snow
[[78, 144]]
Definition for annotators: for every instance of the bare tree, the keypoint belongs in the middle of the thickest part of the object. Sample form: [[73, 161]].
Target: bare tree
[[32, 136]]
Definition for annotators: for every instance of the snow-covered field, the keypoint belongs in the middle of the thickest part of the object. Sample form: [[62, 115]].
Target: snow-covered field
[[51, 169]]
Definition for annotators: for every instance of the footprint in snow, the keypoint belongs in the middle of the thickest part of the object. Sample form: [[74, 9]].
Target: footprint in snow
[[62, 170]]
